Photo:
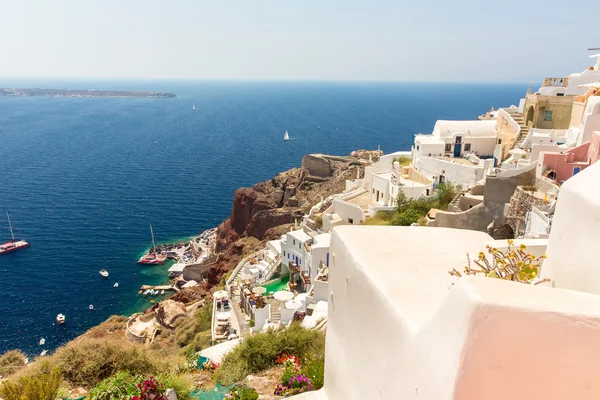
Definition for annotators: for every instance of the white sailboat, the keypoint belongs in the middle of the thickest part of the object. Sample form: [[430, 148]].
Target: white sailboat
[[194, 107], [286, 136]]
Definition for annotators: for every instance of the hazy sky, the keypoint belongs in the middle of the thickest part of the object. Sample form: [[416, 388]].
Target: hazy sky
[[397, 40]]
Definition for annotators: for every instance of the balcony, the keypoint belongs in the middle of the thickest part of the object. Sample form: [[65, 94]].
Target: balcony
[[555, 82]]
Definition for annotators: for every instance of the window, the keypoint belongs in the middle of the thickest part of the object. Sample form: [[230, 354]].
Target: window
[[548, 116], [560, 94], [576, 170], [284, 253], [350, 221], [448, 147], [417, 147], [467, 146], [499, 141], [294, 242], [373, 190], [300, 246]]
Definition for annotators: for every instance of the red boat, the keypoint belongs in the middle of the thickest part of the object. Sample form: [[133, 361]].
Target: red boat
[[13, 245], [152, 258]]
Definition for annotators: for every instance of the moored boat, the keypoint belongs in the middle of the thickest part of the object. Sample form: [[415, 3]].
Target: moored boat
[[12, 245], [61, 319], [152, 258], [104, 273]]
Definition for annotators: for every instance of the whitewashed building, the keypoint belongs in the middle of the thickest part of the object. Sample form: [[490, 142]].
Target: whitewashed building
[[306, 250], [457, 151]]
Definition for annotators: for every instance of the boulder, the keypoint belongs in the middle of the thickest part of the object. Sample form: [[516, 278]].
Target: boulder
[[168, 311]]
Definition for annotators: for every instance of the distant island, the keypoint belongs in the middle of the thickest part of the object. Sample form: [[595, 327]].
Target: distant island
[[8, 92]]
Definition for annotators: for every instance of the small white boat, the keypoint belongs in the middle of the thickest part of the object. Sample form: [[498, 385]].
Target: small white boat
[[156, 292], [91, 306], [43, 353], [104, 273], [116, 284], [194, 107], [162, 292], [146, 292], [61, 319], [42, 341], [286, 136]]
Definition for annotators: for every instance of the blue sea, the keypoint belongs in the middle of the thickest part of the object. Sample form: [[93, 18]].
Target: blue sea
[[83, 178]]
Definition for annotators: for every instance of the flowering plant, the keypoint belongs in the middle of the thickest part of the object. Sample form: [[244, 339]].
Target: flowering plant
[[513, 264], [150, 390], [287, 359], [297, 384]]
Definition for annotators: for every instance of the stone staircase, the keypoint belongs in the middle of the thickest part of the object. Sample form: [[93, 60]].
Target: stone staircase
[[524, 130]]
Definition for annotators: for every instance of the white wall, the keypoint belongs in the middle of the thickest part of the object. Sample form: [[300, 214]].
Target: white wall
[[572, 261], [410, 331], [348, 211], [579, 79], [464, 175], [318, 256], [321, 291], [381, 184], [261, 316]]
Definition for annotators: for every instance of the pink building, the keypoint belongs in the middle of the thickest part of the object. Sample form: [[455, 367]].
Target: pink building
[[562, 166]]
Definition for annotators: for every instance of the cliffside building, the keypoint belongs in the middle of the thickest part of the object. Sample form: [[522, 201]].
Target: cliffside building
[[424, 334]]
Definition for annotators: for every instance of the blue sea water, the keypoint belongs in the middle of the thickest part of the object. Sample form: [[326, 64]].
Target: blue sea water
[[83, 177]]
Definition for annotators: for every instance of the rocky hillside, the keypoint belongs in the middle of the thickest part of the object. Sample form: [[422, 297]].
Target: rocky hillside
[[266, 210]]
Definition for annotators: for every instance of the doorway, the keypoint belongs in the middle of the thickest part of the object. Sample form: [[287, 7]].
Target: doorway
[[457, 146]]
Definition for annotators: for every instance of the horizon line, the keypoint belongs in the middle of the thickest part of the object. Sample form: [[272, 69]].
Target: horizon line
[[298, 80]]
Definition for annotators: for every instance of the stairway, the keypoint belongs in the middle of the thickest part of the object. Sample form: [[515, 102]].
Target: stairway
[[524, 130]]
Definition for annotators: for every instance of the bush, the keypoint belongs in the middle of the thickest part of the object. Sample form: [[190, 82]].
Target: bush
[[188, 331], [380, 218], [88, 362], [407, 218], [181, 383], [11, 362], [318, 221], [259, 352], [241, 393], [315, 371], [403, 160], [42, 387], [121, 386]]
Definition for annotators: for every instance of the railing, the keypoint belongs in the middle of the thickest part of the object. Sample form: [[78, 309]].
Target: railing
[[557, 82], [269, 270], [235, 271]]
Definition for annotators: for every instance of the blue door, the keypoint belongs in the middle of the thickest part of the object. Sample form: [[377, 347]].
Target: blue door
[[457, 146], [296, 260], [576, 170]]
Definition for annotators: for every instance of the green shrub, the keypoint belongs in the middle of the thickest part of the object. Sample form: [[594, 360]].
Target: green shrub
[[242, 393], [380, 218], [11, 362], [422, 221], [403, 160], [188, 331], [289, 372], [259, 352], [314, 369], [118, 387], [182, 384], [41, 387], [318, 221], [407, 218], [90, 361]]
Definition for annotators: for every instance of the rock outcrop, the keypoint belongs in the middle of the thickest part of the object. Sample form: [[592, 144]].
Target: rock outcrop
[[258, 211], [168, 311]]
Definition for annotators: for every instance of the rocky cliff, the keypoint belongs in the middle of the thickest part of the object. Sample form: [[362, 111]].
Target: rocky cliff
[[266, 210]]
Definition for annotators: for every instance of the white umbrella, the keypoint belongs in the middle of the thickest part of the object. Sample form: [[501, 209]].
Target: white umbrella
[[293, 305], [301, 297], [220, 294], [283, 295], [223, 316]]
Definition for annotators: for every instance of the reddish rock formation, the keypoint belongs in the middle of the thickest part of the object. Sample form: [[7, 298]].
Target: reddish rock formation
[[259, 211]]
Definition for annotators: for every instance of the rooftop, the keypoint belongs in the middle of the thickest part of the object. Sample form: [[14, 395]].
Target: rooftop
[[415, 274]]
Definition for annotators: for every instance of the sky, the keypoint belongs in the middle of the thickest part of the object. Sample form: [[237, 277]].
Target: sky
[[374, 40]]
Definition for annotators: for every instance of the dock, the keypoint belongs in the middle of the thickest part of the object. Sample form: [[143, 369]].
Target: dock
[[159, 287]]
